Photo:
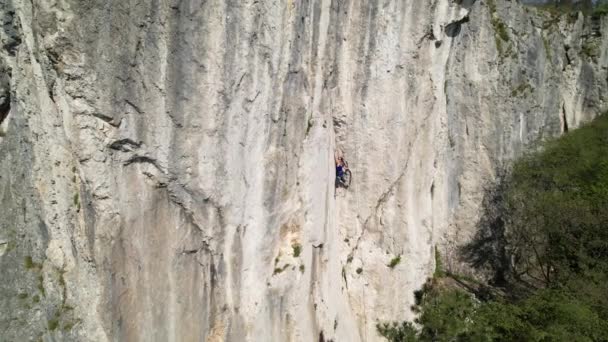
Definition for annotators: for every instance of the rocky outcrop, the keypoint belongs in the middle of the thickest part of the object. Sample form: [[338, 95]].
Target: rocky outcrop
[[167, 167]]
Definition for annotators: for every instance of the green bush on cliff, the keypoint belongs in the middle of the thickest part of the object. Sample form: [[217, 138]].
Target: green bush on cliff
[[552, 228]]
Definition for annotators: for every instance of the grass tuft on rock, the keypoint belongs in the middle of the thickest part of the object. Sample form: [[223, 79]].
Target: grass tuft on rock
[[278, 270], [297, 250], [394, 262], [53, 324]]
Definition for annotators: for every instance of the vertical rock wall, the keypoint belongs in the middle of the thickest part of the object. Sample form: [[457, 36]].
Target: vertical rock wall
[[167, 166]]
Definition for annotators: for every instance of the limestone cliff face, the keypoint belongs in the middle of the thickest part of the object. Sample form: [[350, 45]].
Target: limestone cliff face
[[167, 166]]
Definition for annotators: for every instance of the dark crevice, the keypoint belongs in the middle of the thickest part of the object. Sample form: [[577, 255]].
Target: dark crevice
[[125, 145], [205, 247], [135, 107], [564, 119], [322, 338], [454, 28], [5, 106], [567, 55], [9, 25], [107, 119], [344, 277], [5, 96], [140, 160], [428, 34]]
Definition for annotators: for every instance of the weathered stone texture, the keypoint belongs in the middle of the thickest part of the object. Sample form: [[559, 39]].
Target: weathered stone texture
[[161, 160]]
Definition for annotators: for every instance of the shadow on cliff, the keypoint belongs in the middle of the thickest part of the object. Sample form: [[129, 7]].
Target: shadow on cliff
[[487, 252]]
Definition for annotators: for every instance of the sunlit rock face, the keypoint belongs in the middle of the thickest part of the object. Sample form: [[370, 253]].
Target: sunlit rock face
[[168, 166]]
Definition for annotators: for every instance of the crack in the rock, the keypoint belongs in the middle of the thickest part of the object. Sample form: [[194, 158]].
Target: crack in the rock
[[428, 34], [384, 197], [134, 106], [173, 190], [125, 145], [105, 118], [205, 247], [564, 119]]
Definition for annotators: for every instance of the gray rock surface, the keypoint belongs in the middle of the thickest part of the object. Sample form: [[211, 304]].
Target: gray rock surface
[[167, 166]]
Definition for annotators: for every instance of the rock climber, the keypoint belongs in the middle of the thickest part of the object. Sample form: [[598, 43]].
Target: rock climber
[[340, 168], [342, 171]]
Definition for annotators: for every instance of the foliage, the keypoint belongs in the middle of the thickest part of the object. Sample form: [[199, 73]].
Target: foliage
[[29, 262], [601, 9], [439, 271], [297, 249], [590, 49], [501, 34], [567, 6], [556, 208], [552, 220], [76, 201], [521, 89], [278, 270], [455, 315], [394, 261], [445, 315], [571, 7], [396, 332], [53, 324]]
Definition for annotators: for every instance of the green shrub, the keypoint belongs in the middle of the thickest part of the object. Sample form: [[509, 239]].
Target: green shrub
[[68, 326], [41, 284], [397, 332], [590, 49], [53, 324], [30, 264], [394, 261], [297, 249], [521, 89], [439, 271], [601, 10], [278, 270], [501, 35]]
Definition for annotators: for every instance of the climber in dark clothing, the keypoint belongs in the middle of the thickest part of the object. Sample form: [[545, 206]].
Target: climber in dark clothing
[[342, 173], [340, 168]]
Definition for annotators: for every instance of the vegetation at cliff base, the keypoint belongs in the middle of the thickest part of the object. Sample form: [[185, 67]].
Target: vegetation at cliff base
[[543, 242], [589, 7]]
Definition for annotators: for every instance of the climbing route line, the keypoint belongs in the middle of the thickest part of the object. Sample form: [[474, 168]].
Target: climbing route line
[[384, 197]]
